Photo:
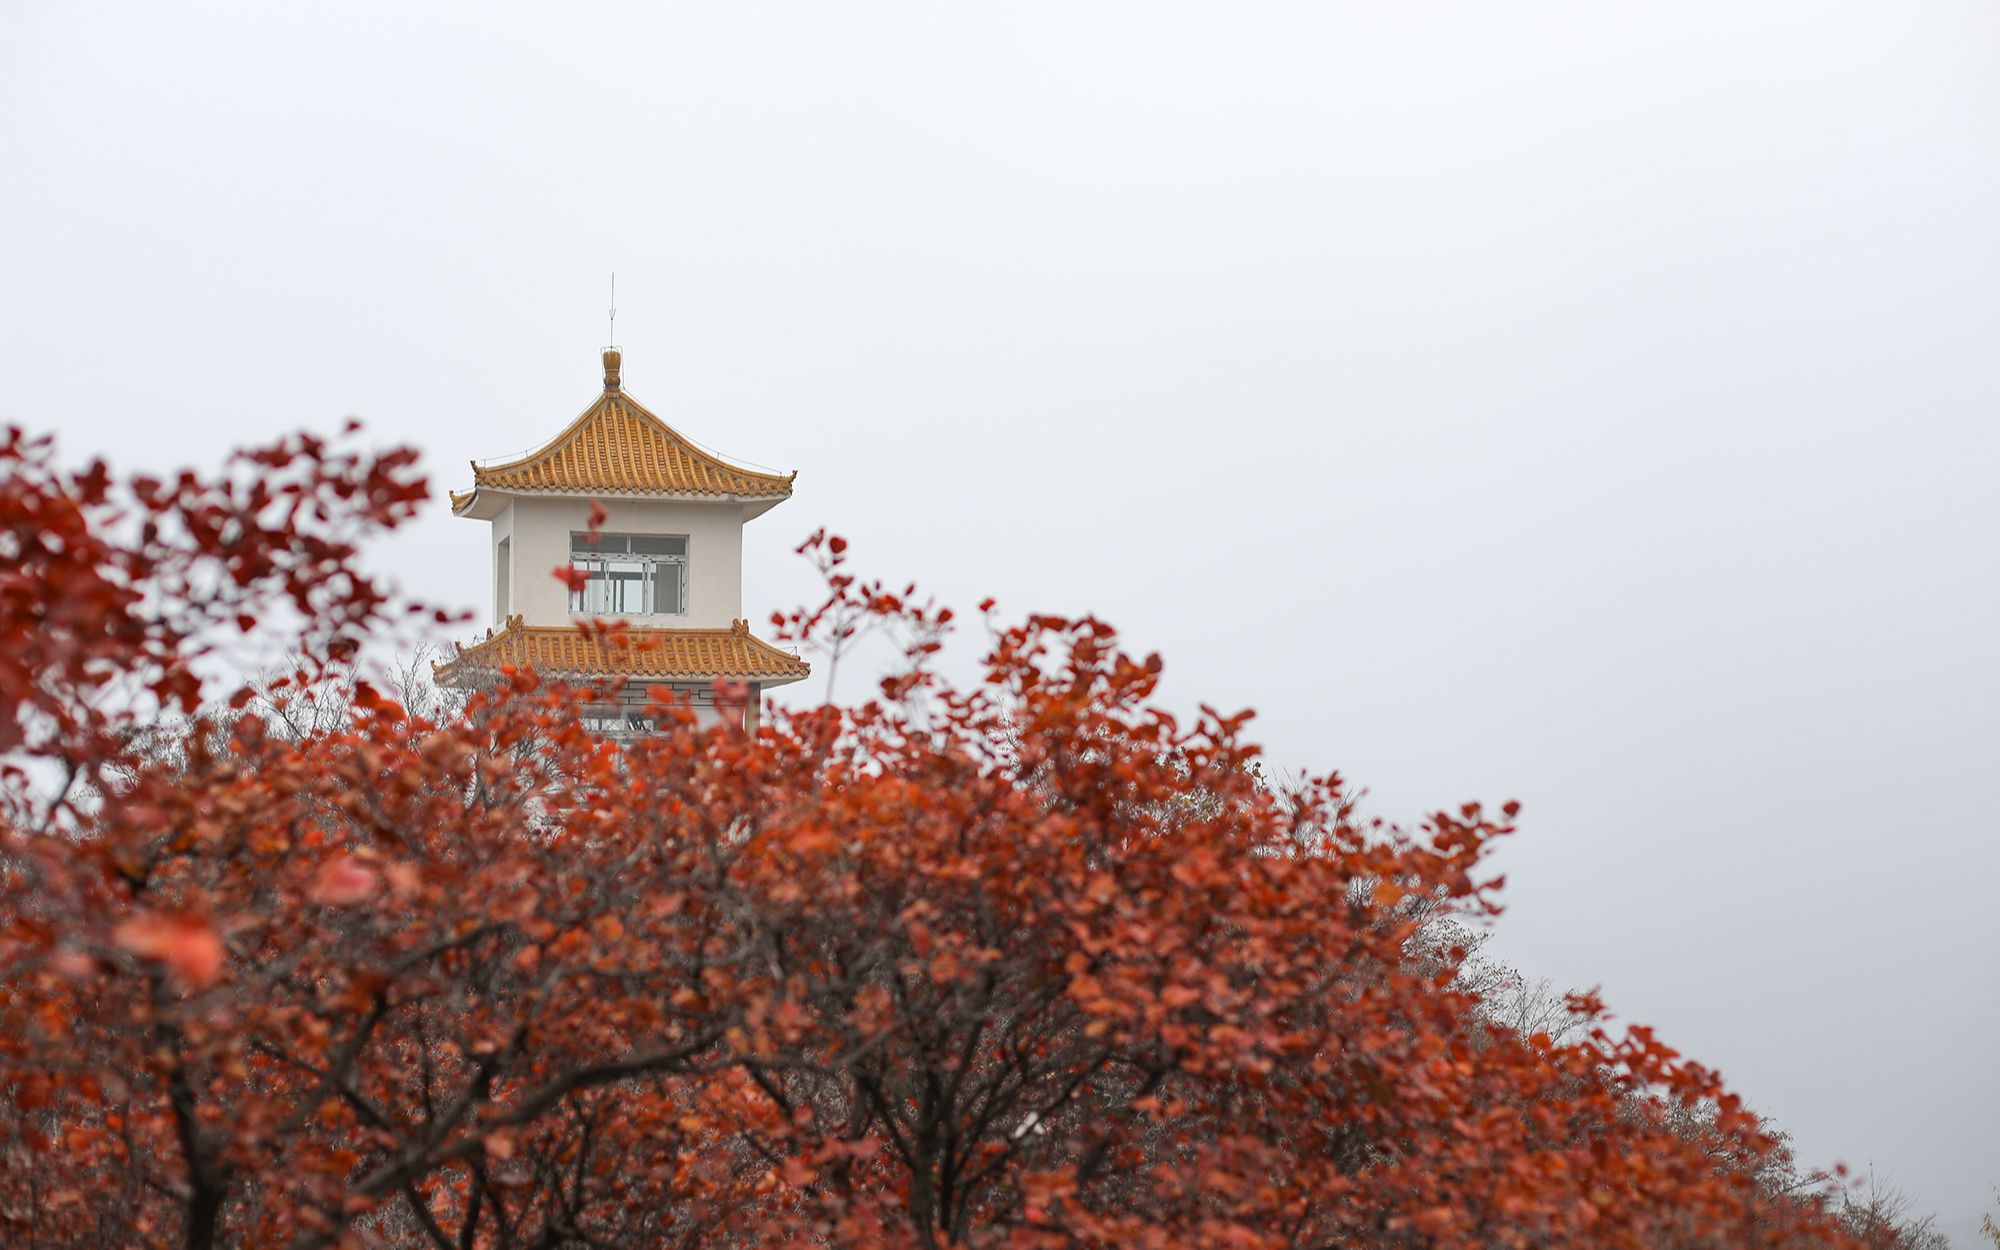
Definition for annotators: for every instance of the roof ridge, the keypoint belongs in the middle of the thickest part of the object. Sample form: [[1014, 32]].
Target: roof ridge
[[549, 446], [644, 414]]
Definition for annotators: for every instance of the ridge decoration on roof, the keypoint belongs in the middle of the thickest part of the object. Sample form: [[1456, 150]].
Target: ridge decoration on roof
[[648, 654], [617, 447]]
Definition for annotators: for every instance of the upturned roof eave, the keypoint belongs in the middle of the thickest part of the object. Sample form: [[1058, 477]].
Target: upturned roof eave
[[480, 503], [485, 503]]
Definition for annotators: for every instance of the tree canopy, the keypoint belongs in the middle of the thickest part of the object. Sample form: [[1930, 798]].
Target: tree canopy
[[1030, 964]]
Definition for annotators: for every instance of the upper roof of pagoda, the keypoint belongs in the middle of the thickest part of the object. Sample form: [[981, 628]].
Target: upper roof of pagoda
[[617, 448]]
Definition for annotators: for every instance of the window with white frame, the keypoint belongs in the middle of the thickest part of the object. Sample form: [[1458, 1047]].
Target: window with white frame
[[630, 574], [617, 724]]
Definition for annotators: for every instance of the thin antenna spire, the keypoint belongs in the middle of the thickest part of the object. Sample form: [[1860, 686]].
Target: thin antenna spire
[[614, 310]]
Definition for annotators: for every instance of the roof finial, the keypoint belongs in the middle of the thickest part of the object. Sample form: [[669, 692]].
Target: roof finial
[[611, 353]]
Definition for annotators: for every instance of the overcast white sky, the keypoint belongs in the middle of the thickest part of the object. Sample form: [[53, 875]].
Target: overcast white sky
[[1590, 403]]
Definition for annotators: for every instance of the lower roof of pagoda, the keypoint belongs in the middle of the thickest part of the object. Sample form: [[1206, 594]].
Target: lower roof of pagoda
[[591, 652]]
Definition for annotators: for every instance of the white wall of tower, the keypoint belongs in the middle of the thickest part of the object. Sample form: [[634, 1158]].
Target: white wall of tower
[[536, 533]]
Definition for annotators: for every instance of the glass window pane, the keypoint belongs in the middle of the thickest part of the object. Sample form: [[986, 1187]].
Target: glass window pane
[[624, 580], [581, 542], [668, 583], [585, 598]]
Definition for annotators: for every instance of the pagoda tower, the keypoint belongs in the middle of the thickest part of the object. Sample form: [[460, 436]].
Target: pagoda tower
[[666, 561]]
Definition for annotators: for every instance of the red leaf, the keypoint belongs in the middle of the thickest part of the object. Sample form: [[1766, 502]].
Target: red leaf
[[343, 882], [187, 947]]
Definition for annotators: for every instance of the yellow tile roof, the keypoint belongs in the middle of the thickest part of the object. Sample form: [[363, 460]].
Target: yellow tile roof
[[617, 447], [651, 654]]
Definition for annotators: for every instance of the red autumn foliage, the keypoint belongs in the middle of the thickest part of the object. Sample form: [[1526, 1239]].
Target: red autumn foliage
[[1029, 965]]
